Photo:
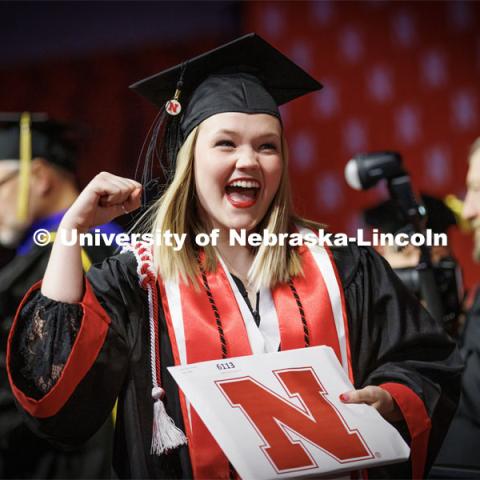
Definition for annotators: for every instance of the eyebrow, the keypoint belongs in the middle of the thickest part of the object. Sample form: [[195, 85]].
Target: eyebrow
[[225, 131], [232, 132]]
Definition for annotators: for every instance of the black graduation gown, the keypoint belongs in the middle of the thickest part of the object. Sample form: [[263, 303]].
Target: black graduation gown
[[392, 339], [23, 454]]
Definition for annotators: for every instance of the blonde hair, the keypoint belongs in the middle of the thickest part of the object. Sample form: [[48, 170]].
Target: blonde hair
[[176, 211]]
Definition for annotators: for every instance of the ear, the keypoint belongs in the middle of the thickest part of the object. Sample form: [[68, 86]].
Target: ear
[[42, 179]]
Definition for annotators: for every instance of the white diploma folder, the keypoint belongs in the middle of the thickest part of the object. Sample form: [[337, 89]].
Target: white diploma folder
[[278, 415]]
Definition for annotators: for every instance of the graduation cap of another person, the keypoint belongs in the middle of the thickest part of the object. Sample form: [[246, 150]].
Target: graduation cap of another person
[[49, 139], [388, 218], [247, 75], [24, 136]]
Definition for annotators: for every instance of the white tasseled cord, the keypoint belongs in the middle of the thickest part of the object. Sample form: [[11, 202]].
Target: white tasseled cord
[[166, 435]]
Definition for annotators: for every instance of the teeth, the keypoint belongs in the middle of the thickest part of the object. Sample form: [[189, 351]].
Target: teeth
[[245, 184]]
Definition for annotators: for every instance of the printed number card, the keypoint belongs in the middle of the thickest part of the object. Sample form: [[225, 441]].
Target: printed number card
[[278, 415]]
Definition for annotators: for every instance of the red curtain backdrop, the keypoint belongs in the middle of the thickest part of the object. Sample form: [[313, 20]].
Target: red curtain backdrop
[[398, 76]]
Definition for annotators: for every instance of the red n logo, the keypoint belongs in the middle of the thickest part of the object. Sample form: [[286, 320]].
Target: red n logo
[[318, 422], [173, 107]]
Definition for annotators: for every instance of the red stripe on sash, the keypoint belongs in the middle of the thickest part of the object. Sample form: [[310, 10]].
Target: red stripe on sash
[[201, 331], [316, 303]]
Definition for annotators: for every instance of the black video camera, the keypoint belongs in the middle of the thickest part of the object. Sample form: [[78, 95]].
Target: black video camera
[[439, 285]]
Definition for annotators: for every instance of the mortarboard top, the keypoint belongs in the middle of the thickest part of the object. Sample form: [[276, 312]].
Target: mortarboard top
[[245, 75], [281, 77], [388, 218], [50, 139]]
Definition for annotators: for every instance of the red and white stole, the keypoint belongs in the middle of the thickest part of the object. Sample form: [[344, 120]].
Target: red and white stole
[[194, 334]]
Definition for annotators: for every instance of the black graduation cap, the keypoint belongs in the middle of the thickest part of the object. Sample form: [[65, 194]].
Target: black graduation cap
[[247, 75], [50, 139], [388, 218], [281, 78]]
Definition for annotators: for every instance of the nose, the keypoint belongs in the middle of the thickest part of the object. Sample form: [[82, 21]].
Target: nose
[[469, 211], [247, 158]]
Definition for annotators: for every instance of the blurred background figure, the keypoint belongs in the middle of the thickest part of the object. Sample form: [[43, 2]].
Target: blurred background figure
[[460, 448], [35, 191], [388, 218]]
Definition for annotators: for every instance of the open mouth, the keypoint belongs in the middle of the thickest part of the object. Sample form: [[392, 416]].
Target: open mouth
[[242, 193]]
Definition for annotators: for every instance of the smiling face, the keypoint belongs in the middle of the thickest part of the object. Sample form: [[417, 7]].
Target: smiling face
[[238, 166]]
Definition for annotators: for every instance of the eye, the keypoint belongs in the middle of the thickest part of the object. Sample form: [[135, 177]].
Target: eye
[[268, 146], [224, 143]]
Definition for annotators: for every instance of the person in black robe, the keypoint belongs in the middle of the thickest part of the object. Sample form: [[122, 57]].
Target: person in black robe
[[105, 337], [17, 442]]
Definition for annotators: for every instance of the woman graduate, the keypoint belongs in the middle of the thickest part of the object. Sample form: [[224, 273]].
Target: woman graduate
[[117, 329]]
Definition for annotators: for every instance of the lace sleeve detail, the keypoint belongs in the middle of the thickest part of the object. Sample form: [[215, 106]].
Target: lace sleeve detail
[[45, 336]]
